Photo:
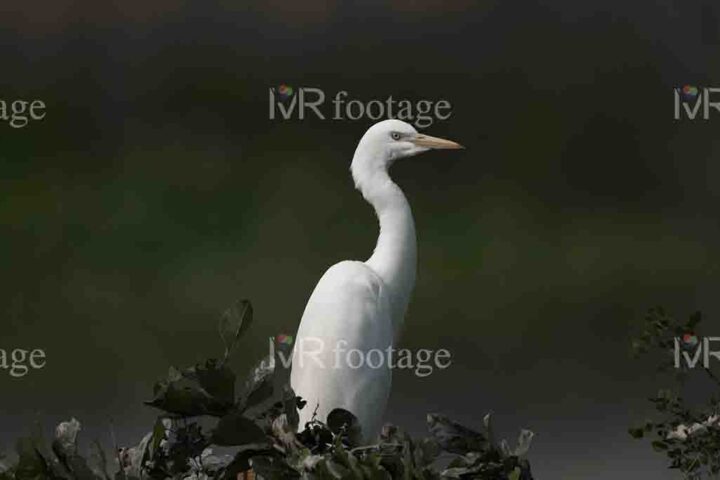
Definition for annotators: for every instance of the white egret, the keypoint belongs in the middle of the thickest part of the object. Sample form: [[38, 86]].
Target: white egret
[[356, 310]]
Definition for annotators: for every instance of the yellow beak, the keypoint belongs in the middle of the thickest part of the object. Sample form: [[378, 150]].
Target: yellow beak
[[433, 142]]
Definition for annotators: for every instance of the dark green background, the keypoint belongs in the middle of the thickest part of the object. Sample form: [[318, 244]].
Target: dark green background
[[157, 191]]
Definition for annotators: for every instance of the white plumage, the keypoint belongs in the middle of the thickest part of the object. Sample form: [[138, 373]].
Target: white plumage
[[358, 307]]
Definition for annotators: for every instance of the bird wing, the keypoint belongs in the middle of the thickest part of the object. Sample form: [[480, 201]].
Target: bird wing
[[348, 310]]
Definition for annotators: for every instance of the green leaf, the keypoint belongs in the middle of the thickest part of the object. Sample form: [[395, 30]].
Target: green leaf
[[234, 322], [659, 445], [694, 320], [158, 435]]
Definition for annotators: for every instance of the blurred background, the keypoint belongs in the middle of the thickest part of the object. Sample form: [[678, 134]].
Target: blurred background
[[157, 191]]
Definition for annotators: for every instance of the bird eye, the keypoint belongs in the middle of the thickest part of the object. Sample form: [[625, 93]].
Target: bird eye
[[395, 135]]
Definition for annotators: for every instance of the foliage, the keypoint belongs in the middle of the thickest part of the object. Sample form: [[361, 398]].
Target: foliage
[[688, 436], [258, 422]]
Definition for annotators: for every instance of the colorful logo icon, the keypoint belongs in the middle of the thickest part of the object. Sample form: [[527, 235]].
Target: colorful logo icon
[[690, 339], [285, 91], [690, 91], [283, 339]]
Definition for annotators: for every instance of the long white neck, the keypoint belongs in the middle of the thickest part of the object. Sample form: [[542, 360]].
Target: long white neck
[[395, 256]]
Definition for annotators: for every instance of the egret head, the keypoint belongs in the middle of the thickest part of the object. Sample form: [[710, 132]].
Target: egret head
[[393, 139], [389, 140]]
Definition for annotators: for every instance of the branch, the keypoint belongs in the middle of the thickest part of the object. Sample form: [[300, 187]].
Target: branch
[[712, 376], [375, 447]]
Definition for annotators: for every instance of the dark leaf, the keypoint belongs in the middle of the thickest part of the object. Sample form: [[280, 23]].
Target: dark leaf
[[259, 385], [216, 379], [273, 468], [342, 422], [31, 463], [694, 320], [241, 462], [426, 451], [453, 437], [184, 393], [235, 430]]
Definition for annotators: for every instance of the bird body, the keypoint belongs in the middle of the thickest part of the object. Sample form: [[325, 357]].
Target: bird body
[[356, 304], [341, 352]]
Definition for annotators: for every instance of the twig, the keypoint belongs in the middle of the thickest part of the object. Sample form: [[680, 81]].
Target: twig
[[690, 468], [712, 376], [314, 415], [117, 450]]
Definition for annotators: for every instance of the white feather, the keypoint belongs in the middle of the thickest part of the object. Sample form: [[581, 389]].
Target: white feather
[[361, 305]]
